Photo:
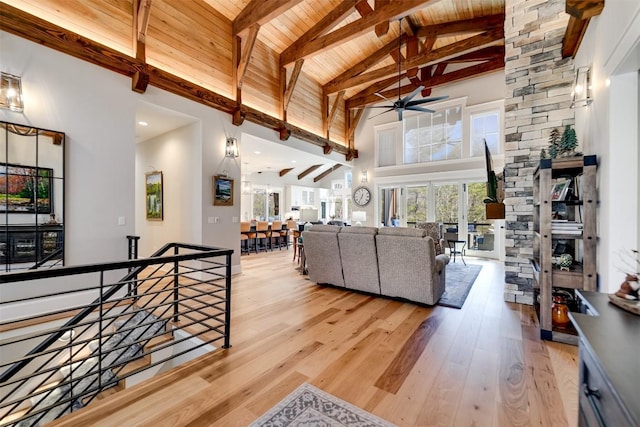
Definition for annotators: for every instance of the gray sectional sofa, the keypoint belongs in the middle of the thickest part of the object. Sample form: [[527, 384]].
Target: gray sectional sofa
[[389, 261]]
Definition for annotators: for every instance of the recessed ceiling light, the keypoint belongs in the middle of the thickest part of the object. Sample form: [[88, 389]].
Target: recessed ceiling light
[[141, 123], [293, 161], [256, 152]]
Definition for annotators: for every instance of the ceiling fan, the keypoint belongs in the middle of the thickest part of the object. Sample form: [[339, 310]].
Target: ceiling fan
[[405, 103]]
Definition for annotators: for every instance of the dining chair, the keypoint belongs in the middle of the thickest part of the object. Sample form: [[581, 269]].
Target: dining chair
[[288, 231]]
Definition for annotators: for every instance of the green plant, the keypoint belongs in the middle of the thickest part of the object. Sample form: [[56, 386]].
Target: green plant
[[569, 141], [554, 143]]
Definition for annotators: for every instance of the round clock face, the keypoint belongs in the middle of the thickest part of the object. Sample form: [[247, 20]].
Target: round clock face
[[362, 196]]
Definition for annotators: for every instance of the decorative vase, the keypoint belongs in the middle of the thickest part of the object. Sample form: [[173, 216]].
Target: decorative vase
[[565, 261], [560, 312]]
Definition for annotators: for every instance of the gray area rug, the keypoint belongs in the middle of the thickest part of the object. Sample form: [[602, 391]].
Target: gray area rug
[[459, 279], [308, 406]]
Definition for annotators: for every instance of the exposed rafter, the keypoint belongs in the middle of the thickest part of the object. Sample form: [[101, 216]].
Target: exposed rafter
[[307, 171], [292, 83], [436, 79], [37, 30], [327, 172], [283, 172], [445, 52], [325, 25], [334, 110], [352, 30], [260, 12], [580, 13], [246, 54]]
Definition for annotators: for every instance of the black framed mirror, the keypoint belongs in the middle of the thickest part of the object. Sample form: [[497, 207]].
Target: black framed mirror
[[32, 170]]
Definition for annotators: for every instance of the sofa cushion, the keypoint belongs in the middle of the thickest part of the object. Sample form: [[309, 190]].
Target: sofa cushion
[[359, 230], [323, 227], [402, 231], [359, 258], [323, 254]]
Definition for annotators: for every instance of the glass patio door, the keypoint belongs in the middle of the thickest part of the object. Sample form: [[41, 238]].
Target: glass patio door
[[482, 234]]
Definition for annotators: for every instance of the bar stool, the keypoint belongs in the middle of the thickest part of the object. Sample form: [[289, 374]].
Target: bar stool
[[245, 236], [274, 233], [262, 228]]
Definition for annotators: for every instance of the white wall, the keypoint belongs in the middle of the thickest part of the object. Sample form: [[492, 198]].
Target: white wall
[[96, 109], [490, 87], [176, 154], [609, 128]]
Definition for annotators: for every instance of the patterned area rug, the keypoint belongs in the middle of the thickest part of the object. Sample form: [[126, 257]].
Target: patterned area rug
[[459, 279], [308, 406]]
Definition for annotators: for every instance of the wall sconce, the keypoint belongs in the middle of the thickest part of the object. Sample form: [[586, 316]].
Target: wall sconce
[[11, 92], [581, 90], [364, 177], [232, 147]]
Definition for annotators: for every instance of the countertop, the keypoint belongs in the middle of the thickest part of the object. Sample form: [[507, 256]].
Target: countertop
[[612, 336]]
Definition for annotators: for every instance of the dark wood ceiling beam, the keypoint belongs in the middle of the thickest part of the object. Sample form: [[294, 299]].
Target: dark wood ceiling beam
[[30, 27], [143, 11], [580, 13], [370, 61], [307, 171], [323, 26], [462, 27], [283, 172], [249, 43], [327, 172], [353, 118], [334, 111], [382, 28], [292, 82], [260, 12], [443, 53], [584, 9], [433, 81], [485, 54], [352, 30]]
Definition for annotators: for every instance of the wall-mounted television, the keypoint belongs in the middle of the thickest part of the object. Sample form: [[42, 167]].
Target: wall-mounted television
[[26, 189]]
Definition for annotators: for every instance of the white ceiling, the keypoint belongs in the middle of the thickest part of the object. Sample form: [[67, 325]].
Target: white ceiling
[[257, 155]]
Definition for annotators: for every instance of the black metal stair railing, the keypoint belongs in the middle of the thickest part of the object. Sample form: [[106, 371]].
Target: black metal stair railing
[[131, 320]]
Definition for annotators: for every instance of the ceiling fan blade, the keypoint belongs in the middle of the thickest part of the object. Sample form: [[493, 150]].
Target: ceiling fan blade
[[383, 97], [380, 106], [415, 108], [425, 100], [412, 94], [379, 114]]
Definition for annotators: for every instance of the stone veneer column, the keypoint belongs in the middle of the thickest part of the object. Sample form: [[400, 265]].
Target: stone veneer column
[[538, 96]]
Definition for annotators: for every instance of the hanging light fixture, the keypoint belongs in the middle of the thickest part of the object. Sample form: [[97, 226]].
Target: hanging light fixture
[[246, 184], [232, 147], [364, 177], [11, 92], [581, 90]]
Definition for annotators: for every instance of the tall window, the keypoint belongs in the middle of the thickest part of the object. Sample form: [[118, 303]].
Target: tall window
[[485, 126], [435, 136], [416, 204]]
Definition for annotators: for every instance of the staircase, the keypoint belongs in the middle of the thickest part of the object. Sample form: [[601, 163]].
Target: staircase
[[95, 368], [166, 307]]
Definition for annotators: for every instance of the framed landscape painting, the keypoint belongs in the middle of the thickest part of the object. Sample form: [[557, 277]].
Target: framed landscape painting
[[153, 184], [222, 191]]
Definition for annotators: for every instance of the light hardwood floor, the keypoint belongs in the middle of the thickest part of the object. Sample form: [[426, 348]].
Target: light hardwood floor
[[483, 365]]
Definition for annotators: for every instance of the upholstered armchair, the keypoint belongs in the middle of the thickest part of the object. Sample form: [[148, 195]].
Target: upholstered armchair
[[433, 231]]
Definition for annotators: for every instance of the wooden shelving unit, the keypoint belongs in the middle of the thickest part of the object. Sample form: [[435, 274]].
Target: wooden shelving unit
[[582, 247]]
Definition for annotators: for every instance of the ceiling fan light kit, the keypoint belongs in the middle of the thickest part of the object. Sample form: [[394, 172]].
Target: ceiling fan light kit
[[406, 103]]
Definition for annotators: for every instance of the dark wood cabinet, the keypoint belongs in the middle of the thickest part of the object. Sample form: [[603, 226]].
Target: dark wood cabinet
[[609, 365], [30, 244]]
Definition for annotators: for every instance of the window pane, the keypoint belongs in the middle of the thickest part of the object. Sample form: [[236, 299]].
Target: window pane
[[386, 147], [484, 127], [447, 204], [416, 205]]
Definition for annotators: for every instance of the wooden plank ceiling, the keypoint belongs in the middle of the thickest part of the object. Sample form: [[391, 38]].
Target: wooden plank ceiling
[[301, 67]]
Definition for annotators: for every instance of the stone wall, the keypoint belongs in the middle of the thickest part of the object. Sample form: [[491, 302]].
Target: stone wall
[[538, 96]]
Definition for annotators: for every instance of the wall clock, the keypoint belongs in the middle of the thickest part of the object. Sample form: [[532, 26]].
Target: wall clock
[[362, 196]]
